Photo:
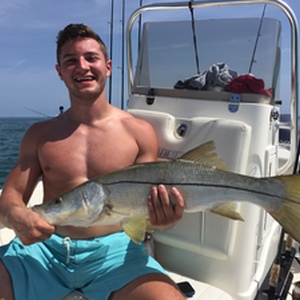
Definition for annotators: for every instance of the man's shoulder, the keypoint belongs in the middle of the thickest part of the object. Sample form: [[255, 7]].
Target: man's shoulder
[[133, 125], [129, 119], [43, 125], [42, 129]]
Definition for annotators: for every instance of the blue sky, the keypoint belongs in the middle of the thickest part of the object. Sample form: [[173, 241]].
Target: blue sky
[[28, 43]]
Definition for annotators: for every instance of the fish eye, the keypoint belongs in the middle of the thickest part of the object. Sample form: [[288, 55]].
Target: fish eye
[[58, 201]]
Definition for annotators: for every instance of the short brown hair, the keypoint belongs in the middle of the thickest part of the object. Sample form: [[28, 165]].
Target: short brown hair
[[74, 31]]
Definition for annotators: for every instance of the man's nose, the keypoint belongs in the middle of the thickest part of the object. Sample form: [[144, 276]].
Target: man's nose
[[82, 63]]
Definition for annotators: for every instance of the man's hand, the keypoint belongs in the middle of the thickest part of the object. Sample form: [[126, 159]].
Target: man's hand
[[165, 209], [29, 226]]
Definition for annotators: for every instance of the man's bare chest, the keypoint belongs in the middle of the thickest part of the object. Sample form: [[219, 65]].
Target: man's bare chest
[[87, 156]]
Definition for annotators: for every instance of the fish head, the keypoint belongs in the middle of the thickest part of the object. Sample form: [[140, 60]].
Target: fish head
[[78, 207]]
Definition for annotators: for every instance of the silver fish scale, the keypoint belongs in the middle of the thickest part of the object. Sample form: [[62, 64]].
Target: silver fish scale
[[184, 172], [195, 179]]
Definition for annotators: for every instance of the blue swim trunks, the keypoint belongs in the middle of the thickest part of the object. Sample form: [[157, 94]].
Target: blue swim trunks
[[96, 267]]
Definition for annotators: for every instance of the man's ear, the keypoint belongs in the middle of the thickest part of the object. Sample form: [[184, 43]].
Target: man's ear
[[57, 67], [108, 67]]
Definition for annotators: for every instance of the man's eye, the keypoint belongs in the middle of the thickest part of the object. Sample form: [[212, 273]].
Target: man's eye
[[91, 58], [71, 61]]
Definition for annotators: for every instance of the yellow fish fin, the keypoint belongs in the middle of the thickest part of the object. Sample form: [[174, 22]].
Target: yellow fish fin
[[136, 228], [289, 214], [228, 210], [119, 212], [111, 209], [205, 154]]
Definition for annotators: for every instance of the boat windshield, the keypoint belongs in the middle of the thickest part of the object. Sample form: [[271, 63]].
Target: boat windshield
[[167, 54]]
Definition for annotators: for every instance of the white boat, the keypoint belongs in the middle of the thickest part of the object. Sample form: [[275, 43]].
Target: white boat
[[169, 87], [177, 85]]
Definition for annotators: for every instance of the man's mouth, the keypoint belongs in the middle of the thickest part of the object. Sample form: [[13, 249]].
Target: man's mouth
[[84, 78]]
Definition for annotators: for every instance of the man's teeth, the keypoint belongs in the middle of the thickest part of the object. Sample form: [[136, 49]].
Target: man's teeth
[[84, 78]]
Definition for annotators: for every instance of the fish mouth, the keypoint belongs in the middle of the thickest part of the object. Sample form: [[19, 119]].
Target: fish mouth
[[41, 213]]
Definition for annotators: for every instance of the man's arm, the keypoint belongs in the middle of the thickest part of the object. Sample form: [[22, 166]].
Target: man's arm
[[20, 183]]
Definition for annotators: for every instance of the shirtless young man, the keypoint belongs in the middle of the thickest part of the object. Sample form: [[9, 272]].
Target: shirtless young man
[[90, 139]]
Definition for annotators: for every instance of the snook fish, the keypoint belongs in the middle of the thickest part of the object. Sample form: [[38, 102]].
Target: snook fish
[[200, 175]]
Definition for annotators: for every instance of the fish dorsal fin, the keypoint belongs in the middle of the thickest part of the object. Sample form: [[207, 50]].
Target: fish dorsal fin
[[205, 154], [136, 228], [228, 210]]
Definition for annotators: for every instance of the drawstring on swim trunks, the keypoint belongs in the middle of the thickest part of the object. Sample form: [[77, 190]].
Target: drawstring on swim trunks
[[67, 241]]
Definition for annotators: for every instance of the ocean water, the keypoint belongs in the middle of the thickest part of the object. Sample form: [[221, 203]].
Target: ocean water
[[11, 133]]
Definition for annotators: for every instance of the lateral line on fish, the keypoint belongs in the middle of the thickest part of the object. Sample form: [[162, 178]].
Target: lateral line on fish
[[202, 184]]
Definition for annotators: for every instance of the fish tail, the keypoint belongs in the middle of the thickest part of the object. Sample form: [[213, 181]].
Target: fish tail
[[289, 214]]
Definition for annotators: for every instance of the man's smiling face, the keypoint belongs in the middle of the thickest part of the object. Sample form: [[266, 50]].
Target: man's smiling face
[[83, 68]]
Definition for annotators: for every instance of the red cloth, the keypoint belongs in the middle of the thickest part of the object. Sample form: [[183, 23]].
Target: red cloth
[[247, 84]]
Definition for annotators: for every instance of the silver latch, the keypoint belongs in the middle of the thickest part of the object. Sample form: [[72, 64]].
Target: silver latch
[[274, 114]]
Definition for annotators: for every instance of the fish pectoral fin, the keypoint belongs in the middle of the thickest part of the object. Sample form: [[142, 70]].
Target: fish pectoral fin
[[205, 154], [227, 210], [136, 228], [110, 208], [119, 212]]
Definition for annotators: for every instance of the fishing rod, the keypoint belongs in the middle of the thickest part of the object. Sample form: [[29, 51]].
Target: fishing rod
[[37, 112], [123, 54], [140, 28], [111, 48], [257, 38], [194, 36]]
